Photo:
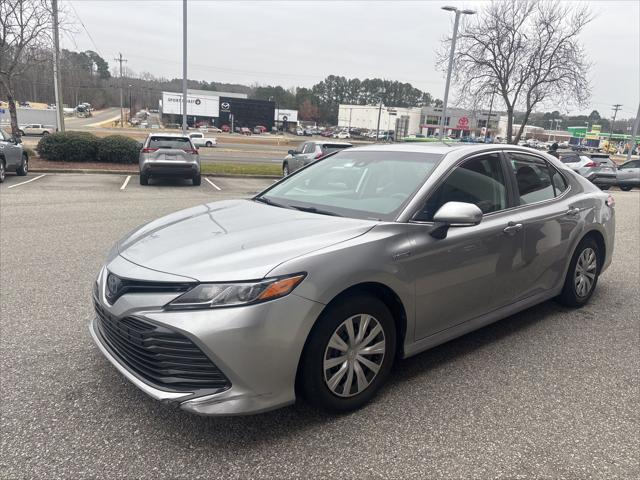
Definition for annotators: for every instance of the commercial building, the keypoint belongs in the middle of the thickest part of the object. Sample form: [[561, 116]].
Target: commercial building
[[217, 109], [418, 120]]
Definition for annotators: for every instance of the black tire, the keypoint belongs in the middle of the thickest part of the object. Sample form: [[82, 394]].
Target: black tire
[[45, 133], [604, 187], [21, 133], [285, 169], [144, 179], [311, 379], [23, 169], [3, 172], [569, 296], [197, 180], [208, 144], [626, 188]]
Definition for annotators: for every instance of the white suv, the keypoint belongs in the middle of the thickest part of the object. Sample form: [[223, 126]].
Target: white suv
[[36, 129]]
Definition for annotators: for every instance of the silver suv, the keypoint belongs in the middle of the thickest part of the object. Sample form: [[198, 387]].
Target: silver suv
[[13, 158], [309, 152], [169, 155]]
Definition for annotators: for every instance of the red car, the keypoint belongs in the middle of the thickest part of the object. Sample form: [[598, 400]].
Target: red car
[[225, 128]]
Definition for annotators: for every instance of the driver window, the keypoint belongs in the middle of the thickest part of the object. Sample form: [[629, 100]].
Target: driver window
[[479, 180]]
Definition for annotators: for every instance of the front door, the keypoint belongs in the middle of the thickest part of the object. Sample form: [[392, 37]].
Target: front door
[[12, 152], [473, 270]]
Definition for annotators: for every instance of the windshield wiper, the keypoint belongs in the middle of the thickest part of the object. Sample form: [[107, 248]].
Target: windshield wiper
[[316, 210], [270, 202]]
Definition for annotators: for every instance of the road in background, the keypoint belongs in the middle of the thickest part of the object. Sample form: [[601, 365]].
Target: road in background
[[546, 393]]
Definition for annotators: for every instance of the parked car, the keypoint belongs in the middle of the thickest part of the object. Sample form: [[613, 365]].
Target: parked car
[[244, 131], [597, 168], [199, 140], [13, 158], [309, 152], [318, 284], [169, 155], [299, 132], [214, 129], [326, 133], [36, 129], [580, 148], [628, 175], [225, 128], [343, 134], [258, 129]]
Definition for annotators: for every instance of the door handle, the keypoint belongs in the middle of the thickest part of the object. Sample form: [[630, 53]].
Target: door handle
[[512, 228], [573, 211]]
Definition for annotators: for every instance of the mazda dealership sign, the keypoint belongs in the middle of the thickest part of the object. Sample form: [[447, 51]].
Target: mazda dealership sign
[[199, 105]]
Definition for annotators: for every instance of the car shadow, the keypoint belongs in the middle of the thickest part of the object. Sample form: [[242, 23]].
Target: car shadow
[[242, 431]]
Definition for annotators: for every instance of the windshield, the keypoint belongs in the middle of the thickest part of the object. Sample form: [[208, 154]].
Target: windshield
[[367, 185]]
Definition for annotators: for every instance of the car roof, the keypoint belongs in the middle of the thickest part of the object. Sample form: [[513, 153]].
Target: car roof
[[176, 135]]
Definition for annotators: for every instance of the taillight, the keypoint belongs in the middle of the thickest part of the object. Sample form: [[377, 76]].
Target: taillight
[[611, 202], [192, 151], [591, 164], [149, 150], [319, 156]]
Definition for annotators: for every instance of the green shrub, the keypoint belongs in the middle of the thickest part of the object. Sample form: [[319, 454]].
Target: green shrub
[[86, 147], [69, 147], [118, 149]]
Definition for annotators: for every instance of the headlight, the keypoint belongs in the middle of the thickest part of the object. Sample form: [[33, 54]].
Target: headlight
[[211, 295]]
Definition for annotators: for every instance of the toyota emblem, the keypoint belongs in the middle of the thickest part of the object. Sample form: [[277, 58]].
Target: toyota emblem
[[198, 101]]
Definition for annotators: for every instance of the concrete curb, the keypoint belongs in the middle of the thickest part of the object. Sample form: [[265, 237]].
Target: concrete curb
[[126, 172]]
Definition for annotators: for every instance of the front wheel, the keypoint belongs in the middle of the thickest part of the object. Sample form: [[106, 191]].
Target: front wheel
[[144, 179], [2, 171], [285, 170], [23, 169], [604, 187], [348, 355], [197, 180], [208, 144], [583, 273], [625, 189]]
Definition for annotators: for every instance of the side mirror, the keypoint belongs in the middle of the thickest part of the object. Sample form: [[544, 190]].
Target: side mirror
[[292, 152], [455, 214]]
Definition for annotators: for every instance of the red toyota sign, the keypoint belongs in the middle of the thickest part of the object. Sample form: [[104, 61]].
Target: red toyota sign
[[463, 122]]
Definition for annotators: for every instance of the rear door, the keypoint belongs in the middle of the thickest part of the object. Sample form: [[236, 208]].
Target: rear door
[[170, 149], [629, 173], [550, 219]]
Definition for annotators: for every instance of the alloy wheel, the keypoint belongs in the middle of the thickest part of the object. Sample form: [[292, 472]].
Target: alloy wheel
[[586, 269], [354, 355], [2, 171]]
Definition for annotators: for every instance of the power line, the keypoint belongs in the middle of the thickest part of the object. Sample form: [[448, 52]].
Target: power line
[[85, 29]]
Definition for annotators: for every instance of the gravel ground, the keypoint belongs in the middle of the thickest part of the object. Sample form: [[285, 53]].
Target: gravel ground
[[547, 393]]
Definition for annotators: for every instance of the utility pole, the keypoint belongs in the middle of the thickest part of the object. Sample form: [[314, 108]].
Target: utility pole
[[56, 68], [379, 113], [451, 54], [120, 59], [634, 133], [486, 130], [184, 67], [615, 109]]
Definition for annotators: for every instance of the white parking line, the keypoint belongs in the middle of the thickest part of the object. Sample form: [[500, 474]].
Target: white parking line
[[213, 184], [126, 181], [28, 181]]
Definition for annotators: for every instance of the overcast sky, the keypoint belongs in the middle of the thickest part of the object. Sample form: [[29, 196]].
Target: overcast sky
[[298, 43]]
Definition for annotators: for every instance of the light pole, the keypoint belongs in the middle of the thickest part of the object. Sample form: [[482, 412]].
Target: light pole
[[453, 49], [184, 67]]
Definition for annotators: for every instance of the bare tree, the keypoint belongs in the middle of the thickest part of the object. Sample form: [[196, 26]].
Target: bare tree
[[527, 51], [25, 40]]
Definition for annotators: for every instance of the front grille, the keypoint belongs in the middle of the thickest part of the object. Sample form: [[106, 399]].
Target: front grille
[[160, 356]]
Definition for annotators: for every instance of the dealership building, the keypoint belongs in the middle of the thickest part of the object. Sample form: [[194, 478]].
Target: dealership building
[[211, 108], [418, 120]]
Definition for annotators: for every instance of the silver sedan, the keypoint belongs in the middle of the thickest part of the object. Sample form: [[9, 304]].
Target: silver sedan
[[317, 285]]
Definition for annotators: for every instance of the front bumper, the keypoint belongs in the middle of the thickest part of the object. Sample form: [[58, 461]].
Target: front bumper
[[257, 347]]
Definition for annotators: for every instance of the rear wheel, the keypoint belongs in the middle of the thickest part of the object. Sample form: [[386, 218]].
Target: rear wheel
[[144, 179], [21, 133], [197, 180], [285, 170], [2, 171], [209, 144], [23, 169], [45, 133], [583, 273], [604, 187], [349, 354], [625, 189]]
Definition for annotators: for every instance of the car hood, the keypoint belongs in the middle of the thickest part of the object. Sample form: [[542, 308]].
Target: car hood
[[233, 240]]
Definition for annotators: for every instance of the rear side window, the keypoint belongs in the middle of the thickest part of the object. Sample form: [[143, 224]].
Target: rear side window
[[180, 143], [569, 157], [309, 148], [534, 179]]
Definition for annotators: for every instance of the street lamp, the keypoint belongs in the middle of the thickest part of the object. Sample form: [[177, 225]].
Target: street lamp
[[453, 49]]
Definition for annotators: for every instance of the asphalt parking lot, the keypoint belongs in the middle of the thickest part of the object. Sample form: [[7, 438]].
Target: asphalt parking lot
[[547, 393]]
